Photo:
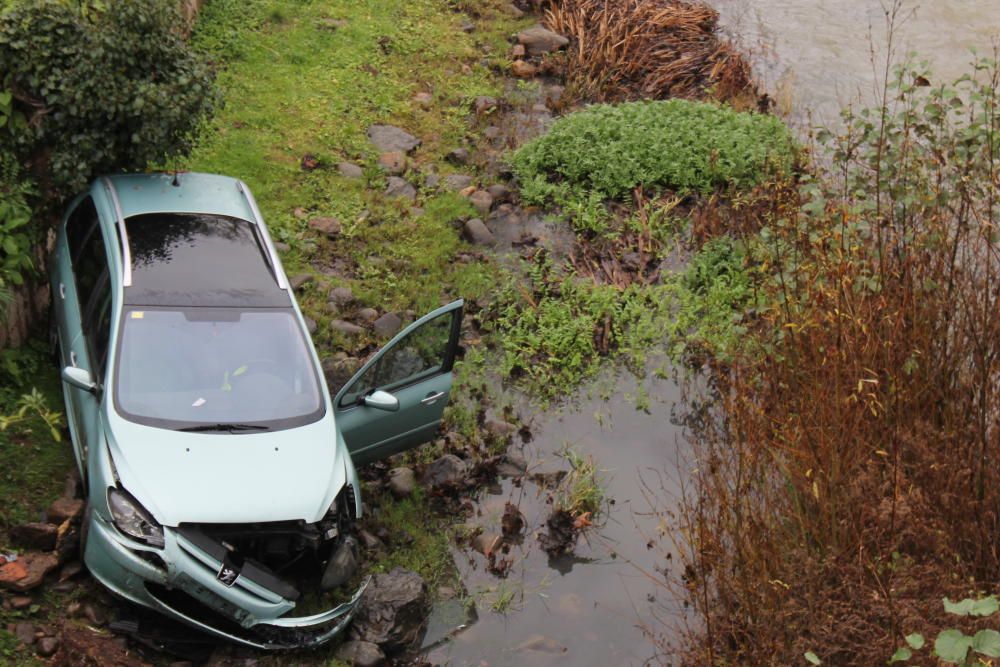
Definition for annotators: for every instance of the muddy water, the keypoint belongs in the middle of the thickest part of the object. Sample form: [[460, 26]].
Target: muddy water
[[815, 56], [588, 608]]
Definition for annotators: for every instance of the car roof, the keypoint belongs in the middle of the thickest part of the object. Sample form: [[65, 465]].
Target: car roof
[[194, 193]]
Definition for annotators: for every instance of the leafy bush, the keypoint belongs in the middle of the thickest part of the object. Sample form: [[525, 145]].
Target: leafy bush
[[676, 144], [102, 91], [16, 240]]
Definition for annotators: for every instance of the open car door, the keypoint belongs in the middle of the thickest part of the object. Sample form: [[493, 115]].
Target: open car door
[[395, 402]]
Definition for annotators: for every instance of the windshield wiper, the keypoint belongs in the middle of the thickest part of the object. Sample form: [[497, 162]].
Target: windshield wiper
[[224, 427]]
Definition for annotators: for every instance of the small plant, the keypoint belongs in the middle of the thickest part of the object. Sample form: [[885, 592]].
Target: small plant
[[953, 646], [33, 404], [581, 492]]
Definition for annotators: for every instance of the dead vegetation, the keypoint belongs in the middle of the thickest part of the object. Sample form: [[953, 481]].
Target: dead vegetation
[[649, 49]]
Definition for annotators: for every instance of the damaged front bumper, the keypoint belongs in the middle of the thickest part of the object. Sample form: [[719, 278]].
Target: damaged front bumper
[[184, 580]]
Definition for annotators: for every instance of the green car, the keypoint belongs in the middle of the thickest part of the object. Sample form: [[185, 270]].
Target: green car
[[219, 473]]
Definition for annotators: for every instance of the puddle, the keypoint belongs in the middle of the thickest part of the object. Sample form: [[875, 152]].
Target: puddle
[[587, 608]]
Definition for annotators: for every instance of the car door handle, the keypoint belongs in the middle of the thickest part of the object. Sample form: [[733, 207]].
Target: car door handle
[[431, 399], [72, 359], [62, 291]]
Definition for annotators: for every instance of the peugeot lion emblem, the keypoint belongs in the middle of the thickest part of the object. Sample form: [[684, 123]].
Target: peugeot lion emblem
[[228, 575]]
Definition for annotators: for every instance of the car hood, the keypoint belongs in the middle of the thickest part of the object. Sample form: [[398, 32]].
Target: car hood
[[230, 478]]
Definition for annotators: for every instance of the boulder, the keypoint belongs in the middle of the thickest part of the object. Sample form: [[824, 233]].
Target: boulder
[[513, 465], [447, 471], [39, 536], [390, 138], [360, 654], [402, 481], [424, 100], [522, 69], [300, 279], [339, 297], [456, 182], [482, 200], [367, 314], [397, 187], [28, 571], [476, 232], [498, 428], [538, 40], [486, 543], [47, 646], [345, 327], [392, 611], [388, 325], [348, 170], [64, 509], [369, 541], [458, 156], [342, 564], [327, 225], [25, 633], [513, 10], [500, 193], [393, 162], [311, 325]]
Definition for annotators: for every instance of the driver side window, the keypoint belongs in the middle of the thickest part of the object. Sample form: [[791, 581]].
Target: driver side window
[[421, 354]]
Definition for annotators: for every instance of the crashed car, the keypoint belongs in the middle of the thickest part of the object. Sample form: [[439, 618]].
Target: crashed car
[[219, 474]]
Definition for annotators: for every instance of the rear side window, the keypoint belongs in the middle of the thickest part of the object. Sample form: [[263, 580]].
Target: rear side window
[[89, 264], [79, 226]]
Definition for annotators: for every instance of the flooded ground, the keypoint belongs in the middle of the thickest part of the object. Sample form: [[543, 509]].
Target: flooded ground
[[817, 56], [587, 608]]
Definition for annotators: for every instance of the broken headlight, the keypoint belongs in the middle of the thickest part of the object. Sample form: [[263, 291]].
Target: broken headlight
[[133, 519]]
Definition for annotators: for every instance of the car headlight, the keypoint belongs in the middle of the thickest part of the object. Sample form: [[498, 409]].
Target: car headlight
[[133, 519]]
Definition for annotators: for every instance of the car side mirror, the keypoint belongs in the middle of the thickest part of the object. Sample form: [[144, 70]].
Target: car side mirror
[[382, 400], [80, 378]]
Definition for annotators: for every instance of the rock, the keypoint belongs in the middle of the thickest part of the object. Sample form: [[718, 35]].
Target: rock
[[341, 566], [25, 633], [369, 541], [447, 471], [500, 193], [512, 521], [40, 536], [388, 325], [392, 611], [397, 187], [482, 200], [541, 644], [339, 297], [282, 247], [72, 487], [389, 138], [345, 327], [458, 156], [339, 371], [64, 509], [402, 481], [348, 170], [47, 646], [553, 94], [523, 69], [498, 428], [476, 232], [632, 261], [486, 543], [513, 10], [21, 602], [73, 609], [311, 325], [468, 26], [447, 593], [94, 615], [432, 181], [393, 162], [326, 225], [424, 100], [484, 105], [491, 132], [64, 587], [367, 314], [538, 40], [309, 162], [28, 571], [518, 51], [67, 541], [457, 182], [297, 281], [300, 213], [360, 654]]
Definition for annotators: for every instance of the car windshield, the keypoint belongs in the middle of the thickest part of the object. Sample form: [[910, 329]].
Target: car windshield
[[215, 369]]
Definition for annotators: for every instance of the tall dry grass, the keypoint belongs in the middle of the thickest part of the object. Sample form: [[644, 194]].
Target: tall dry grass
[[848, 475], [648, 49]]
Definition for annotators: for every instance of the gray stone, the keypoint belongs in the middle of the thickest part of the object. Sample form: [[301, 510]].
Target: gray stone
[[25, 633], [311, 325], [499, 428], [367, 314], [299, 280], [482, 200], [348, 170], [458, 156], [369, 541], [424, 100], [389, 138], [94, 615], [63, 509], [41, 536], [447, 471], [345, 327], [397, 187], [282, 247], [513, 10], [456, 182], [393, 162], [341, 566], [47, 646], [486, 543], [329, 226], [513, 465], [340, 297], [500, 193], [432, 181], [388, 325], [392, 611], [360, 654], [477, 233], [538, 40], [402, 481]]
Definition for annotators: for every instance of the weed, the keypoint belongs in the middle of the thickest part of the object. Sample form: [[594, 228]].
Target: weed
[[581, 492]]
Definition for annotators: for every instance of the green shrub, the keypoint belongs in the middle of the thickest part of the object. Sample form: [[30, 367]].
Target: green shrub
[[103, 91], [676, 144], [16, 238]]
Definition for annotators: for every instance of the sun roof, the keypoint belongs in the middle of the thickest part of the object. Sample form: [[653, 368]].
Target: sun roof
[[185, 259]]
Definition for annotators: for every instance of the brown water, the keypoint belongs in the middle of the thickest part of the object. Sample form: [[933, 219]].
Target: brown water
[[817, 55]]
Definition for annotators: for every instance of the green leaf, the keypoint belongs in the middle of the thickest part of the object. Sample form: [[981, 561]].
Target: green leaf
[[916, 641], [987, 642], [985, 606], [812, 658], [952, 646], [902, 654], [961, 608], [239, 371]]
